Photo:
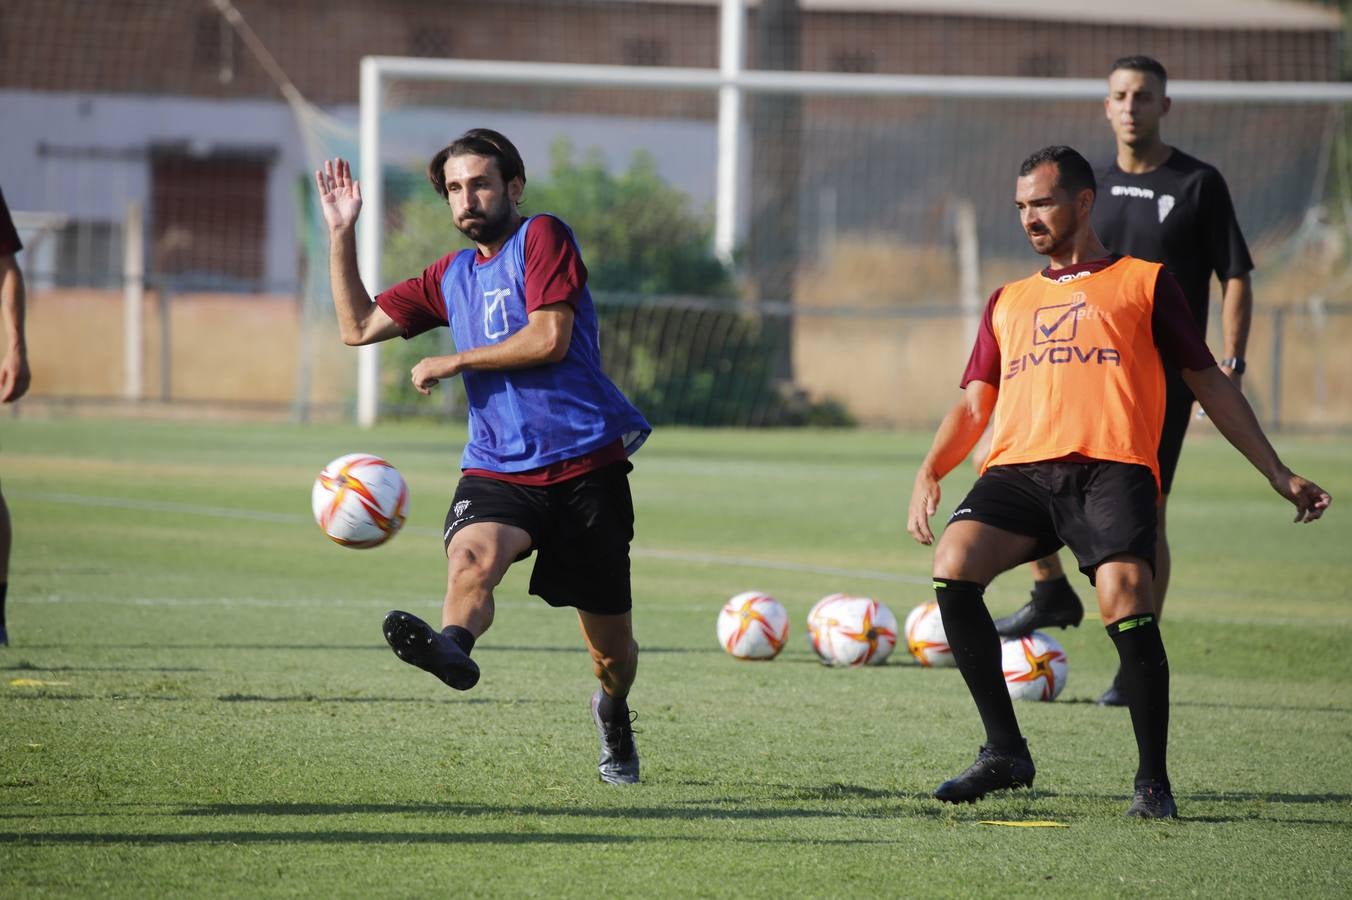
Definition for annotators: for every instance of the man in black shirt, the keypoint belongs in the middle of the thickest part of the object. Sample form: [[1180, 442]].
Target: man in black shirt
[[14, 374], [1157, 203]]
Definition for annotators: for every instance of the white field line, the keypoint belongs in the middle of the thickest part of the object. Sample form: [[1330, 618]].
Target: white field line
[[1177, 615], [533, 604], [222, 512]]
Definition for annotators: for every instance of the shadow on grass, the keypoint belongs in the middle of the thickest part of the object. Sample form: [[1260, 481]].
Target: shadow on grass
[[311, 698], [400, 837], [476, 809], [1248, 801], [765, 806], [1255, 796], [314, 837], [491, 648], [167, 698], [94, 647], [1264, 707], [578, 648], [29, 667], [259, 698]]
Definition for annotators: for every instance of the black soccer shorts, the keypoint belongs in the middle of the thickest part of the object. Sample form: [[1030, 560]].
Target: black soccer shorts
[[580, 530], [1097, 509]]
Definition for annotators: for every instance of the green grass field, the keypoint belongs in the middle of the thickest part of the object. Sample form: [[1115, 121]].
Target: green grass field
[[197, 699]]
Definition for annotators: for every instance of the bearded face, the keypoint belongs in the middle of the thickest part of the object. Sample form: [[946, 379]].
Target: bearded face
[[483, 206]]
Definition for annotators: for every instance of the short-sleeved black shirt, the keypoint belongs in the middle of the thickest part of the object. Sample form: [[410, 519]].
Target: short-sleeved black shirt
[[1179, 215]]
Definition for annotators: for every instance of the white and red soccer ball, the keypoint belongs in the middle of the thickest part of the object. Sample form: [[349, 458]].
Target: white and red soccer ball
[[851, 631], [360, 500], [753, 625], [925, 637], [819, 622], [1035, 667]]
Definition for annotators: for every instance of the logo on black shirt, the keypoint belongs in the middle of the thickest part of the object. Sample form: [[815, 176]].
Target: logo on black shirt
[[1166, 203]]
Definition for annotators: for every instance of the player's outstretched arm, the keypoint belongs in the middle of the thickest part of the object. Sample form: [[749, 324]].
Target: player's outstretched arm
[[360, 321], [1234, 418], [957, 435]]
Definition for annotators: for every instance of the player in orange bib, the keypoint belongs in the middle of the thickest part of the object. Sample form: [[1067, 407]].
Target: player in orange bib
[[1157, 203], [1068, 364]]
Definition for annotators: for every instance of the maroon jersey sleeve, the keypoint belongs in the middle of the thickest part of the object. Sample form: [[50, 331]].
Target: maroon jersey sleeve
[[555, 272], [9, 235], [1179, 340], [984, 363], [417, 304]]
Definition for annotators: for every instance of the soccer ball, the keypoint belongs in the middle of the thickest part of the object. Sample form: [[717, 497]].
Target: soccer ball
[[819, 621], [1035, 667], [855, 631], [925, 636], [360, 500], [753, 625]]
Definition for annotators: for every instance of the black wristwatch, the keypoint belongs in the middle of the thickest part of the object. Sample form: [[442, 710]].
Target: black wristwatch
[[1234, 364]]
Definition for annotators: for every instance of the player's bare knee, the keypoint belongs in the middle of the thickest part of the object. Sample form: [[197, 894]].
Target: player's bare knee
[[1123, 590], [952, 561], [470, 565]]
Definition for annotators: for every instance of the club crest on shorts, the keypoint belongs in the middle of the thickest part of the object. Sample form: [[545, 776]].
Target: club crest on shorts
[[460, 507]]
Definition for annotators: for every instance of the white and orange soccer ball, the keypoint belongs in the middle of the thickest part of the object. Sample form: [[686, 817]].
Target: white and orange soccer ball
[[753, 625], [360, 500], [1035, 667], [925, 637], [854, 631], [819, 621]]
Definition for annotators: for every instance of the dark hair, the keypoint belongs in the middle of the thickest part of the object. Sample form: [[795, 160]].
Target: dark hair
[[1142, 63], [1074, 174], [478, 142]]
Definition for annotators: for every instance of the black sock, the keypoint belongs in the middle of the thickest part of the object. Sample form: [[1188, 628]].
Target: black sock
[[976, 648], [1144, 678], [4, 589], [612, 710], [1052, 589], [462, 637]]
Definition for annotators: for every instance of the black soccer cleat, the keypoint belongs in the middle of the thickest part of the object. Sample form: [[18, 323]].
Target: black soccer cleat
[[1153, 800], [414, 641], [619, 754], [1063, 611], [992, 771], [1114, 696]]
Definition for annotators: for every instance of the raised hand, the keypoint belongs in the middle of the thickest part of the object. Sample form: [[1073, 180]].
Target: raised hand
[[339, 194]]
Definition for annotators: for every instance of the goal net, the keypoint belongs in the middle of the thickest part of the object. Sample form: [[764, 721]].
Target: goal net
[[873, 215], [792, 210]]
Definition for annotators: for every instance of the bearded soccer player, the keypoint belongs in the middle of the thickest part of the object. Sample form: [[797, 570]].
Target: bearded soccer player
[[1156, 203], [1069, 364], [546, 466]]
